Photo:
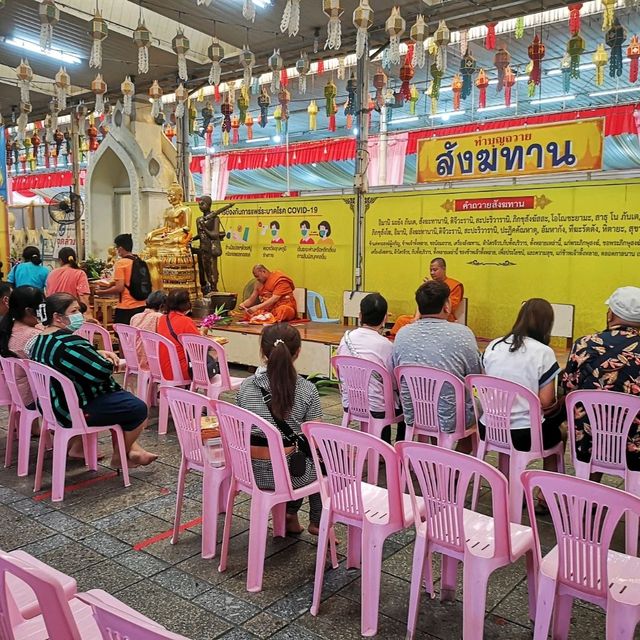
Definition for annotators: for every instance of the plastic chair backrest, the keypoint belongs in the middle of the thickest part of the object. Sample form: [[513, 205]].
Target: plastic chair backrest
[[53, 602], [197, 348], [128, 338], [11, 368], [610, 415], [425, 388], [344, 453], [152, 343], [89, 331], [443, 476], [585, 515], [235, 430], [355, 374], [496, 397], [316, 302]]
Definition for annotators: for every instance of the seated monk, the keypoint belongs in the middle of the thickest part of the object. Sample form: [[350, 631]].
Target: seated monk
[[438, 272], [273, 293]]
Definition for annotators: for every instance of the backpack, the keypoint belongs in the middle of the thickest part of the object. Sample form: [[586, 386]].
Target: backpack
[[140, 284]]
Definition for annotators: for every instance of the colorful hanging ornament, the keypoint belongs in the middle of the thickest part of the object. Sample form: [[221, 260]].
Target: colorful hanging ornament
[[406, 75], [609, 7], [414, 99], [464, 41], [182, 95], [276, 66], [362, 21], [379, 83], [600, 59], [341, 71], [536, 51], [155, 93], [128, 90], [62, 82], [468, 68], [216, 53], [264, 102], [574, 17], [312, 110], [320, 67], [531, 87], [501, 61], [99, 88], [226, 108], [442, 38], [350, 108], [633, 53], [291, 18], [49, 17], [419, 35], [509, 82], [284, 77], [35, 145], [615, 38], [284, 97], [25, 76], [482, 82], [436, 82], [330, 93], [575, 48], [23, 119], [333, 10], [142, 39], [519, 30], [99, 31], [180, 45], [235, 127], [565, 69], [243, 103], [456, 89], [302, 67], [247, 59], [249, 10], [490, 38], [248, 122], [394, 26], [277, 116]]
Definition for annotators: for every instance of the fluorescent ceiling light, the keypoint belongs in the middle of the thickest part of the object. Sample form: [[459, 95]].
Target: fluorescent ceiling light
[[262, 3], [609, 92], [265, 139], [445, 115], [496, 107], [34, 47], [582, 67], [406, 119], [552, 100]]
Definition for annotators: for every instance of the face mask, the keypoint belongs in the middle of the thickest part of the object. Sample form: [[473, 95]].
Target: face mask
[[76, 320], [274, 232], [323, 233], [304, 232]]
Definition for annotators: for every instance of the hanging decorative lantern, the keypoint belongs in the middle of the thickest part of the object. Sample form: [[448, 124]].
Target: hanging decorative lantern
[[330, 93], [180, 46], [406, 75], [379, 83], [490, 38], [394, 26], [277, 116], [284, 97], [419, 35], [276, 65], [464, 41], [264, 102], [23, 119], [350, 107], [99, 88], [235, 127], [414, 99], [333, 10], [155, 93], [501, 61], [170, 132], [312, 110], [468, 68], [341, 68], [436, 82], [249, 10], [247, 59], [509, 81], [284, 77], [226, 108], [92, 134], [531, 87], [362, 21], [633, 53], [182, 95], [216, 54], [243, 103], [565, 69], [320, 67], [128, 90], [615, 38], [248, 121], [575, 48], [98, 30], [574, 17], [536, 51], [456, 89], [519, 30], [291, 18], [442, 38], [49, 17], [62, 82], [25, 76], [600, 59], [482, 82], [142, 38], [231, 91], [609, 7], [302, 67]]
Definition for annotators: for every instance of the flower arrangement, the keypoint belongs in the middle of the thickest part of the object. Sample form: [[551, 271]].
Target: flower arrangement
[[218, 317]]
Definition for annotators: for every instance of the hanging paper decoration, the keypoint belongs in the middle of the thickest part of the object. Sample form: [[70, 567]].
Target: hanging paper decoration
[[609, 7], [565, 68], [235, 126], [436, 75], [464, 40], [216, 53], [456, 89], [49, 16], [264, 102], [536, 51], [395, 26], [350, 108], [35, 144], [442, 38], [23, 119], [615, 38], [142, 38], [180, 45], [208, 136], [231, 91], [25, 76], [509, 81], [482, 82], [468, 68], [341, 68], [276, 65], [600, 59], [302, 67], [284, 97], [575, 48], [128, 91], [98, 30], [226, 108], [330, 93], [247, 59], [419, 35], [531, 87], [284, 77], [519, 31], [574, 17], [362, 21], [277, 116], [243, 103], [379, 82], [248, 121], [249, 10], [633, 53], [501, 61], [490, 38], [312, 110], [414, 99], [182, 95], [333, 10], [291, 18], [99, 88], [62, 82], [155, 93], [406, 75]]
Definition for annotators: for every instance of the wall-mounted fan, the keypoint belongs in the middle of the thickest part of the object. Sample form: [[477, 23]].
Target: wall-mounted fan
[[66, 207]]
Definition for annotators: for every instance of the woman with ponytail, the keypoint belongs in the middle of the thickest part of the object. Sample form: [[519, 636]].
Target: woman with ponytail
[[277, 393], [30, 271], [69, 277]]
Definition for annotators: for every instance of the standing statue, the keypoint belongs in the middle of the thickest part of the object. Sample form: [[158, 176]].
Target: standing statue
[[210, 249]]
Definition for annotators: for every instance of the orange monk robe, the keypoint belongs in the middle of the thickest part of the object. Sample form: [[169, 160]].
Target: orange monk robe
[[277, 284], [455, 297]]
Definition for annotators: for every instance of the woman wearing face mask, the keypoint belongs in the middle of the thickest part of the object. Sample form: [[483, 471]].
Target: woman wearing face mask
[[102, 400]]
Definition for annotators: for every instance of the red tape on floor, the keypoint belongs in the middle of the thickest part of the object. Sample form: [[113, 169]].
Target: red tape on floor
[[78, 485], [139, 546]]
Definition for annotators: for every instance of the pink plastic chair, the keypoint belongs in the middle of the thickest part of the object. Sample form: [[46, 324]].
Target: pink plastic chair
[[187, 409], [235, 429], [582, 565], [21, 419], [371, 513], [355, 374], [483, 543], [43, 378], [90, 330], [496, 397], [197, 348], [425, 385], [152, 342], [128, 339], [610, 416]]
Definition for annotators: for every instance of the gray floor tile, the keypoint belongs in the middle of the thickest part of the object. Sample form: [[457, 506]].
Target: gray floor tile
[[226, 605], [264, 625], [182, 584], [107, 575], [141, 562], [17, 529], [105, 544]]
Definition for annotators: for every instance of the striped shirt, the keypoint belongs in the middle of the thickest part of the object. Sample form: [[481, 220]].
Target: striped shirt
[[77, 359]]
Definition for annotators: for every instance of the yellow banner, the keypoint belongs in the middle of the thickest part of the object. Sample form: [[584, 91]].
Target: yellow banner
[[309, 239], [568, 243], [553, 148]]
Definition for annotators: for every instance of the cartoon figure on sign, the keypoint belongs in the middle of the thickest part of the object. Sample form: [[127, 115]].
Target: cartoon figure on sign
[[275, 233], [324, 231], [305, 232], [239, 234]]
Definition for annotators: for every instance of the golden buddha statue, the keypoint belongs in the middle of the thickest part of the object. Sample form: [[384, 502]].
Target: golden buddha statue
[[175, 234], [155, 268]]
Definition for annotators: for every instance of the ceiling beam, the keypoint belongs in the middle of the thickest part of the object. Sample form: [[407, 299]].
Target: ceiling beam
[[39, 84]]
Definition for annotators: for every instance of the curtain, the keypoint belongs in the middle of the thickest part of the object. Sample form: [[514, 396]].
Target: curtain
[[396, 154], [219, 177]]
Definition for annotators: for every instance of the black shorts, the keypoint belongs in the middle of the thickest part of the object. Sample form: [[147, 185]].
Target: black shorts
[[119, 407], [123, 316], [521, 438]]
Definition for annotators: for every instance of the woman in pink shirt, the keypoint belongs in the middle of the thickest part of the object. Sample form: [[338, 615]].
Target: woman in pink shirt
[[148, 320], [69, 277]]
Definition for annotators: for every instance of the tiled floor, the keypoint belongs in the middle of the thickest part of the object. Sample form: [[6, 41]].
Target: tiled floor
[[92, 533]]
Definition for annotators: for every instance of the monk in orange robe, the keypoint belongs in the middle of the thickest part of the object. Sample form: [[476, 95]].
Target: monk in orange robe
[[438, 271], [273, 294]]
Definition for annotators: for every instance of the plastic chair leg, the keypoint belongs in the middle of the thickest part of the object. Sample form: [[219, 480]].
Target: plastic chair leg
[[449, 578], [42, 441], [59, 467], [475, 576], [420, 554], [257, 543], [532, 582], [24, 443], [163, 417], [545, 601], [516, 491], [621, 621], [354, 547], [214, 497], [11, 433], [562, 617], [279, 520], [321, 558], [482, 450], [90, 446], [370, 589], [226, 535], [122, 450], [182, 474]]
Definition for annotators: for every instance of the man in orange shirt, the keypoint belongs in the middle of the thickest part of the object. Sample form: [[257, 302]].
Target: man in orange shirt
[[273, 293], [438, 272]]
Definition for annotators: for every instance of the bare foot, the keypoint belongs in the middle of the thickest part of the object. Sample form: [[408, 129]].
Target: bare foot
[[142, 458], [293, 524]]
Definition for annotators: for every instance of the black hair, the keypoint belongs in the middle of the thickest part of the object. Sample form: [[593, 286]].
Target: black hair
[[275, 224], [535, 320], [124, 241], [305, 223], [431, 297], [20, 300], [32, 254], [326, 225], [178, 300], [67, 255], [441, 261], [156, 300], [373, 309], [56, 303], [5, 289]]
